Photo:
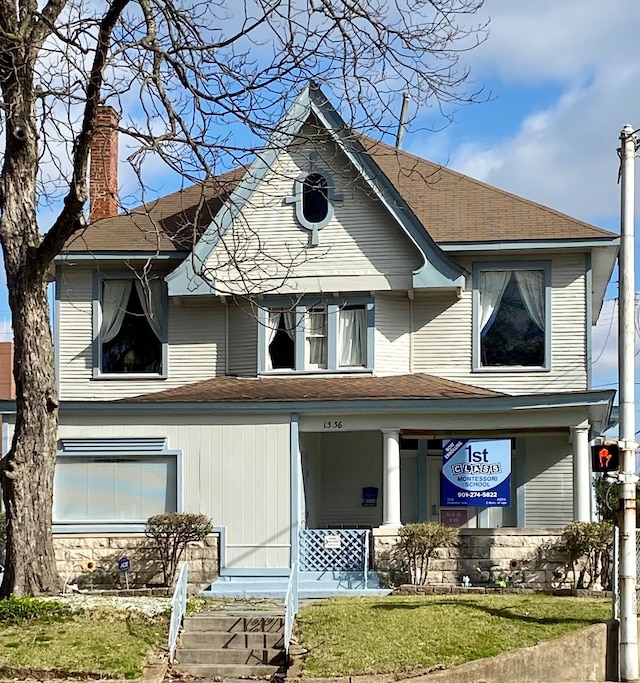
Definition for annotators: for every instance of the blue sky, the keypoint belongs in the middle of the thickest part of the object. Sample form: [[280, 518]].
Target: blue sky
[[561, 80]]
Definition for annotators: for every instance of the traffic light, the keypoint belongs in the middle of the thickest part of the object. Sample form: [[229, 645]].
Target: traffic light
[[605, 457]]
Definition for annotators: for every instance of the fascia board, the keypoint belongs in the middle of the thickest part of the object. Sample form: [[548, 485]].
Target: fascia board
[[184, 280], [438, 270], [585, 399]]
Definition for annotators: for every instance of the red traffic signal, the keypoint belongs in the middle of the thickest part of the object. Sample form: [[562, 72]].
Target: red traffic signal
[[605, 458]]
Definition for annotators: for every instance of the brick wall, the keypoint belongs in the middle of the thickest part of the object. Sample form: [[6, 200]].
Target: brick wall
[[526, 558]]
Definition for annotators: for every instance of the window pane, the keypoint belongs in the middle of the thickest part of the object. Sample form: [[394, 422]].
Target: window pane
[[352, 336], [513, 334], [281, 340], [113, 489], [316, 338], [315, 198], [135, 347]]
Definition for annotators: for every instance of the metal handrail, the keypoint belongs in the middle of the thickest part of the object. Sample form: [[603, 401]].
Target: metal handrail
[[290, 606], [178, 609]]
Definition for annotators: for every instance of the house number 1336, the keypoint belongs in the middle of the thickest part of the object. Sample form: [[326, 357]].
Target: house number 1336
[[332, 424]]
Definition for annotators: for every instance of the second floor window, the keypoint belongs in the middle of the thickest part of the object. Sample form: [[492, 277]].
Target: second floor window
[[512, 318], [322, 336], [131, 330]]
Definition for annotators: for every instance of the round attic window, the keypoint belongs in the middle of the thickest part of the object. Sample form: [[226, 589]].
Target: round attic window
[[315, 198]]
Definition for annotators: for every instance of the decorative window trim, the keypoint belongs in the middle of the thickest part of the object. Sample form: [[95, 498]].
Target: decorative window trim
[[297, 199], [478, 267], [333, 306], [98, 279], [138, 448]]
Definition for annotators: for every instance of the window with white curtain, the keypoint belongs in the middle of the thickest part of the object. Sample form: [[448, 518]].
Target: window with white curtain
[[132, 320], [512, 317], [327, 334]]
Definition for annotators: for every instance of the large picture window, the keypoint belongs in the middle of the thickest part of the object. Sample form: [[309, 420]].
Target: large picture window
[[333, 335], [132, 321], [114, 481], [512, 317]]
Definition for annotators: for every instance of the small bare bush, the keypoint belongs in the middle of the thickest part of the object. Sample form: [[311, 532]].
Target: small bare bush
[[590, 542], [418, 543], [171, 533]]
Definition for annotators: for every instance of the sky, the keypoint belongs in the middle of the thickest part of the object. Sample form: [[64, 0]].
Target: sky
[[559, 80]]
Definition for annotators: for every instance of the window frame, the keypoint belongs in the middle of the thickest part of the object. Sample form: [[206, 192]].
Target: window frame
[[510, 266], [139, 449], [300, 307], [98, 279]]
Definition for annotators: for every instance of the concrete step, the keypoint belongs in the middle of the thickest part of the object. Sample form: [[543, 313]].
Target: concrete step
[[233, 641], [234, 623], [217, 671], [226, 656]]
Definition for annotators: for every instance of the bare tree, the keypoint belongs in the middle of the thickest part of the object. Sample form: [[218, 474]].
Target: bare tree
[[186, 74]]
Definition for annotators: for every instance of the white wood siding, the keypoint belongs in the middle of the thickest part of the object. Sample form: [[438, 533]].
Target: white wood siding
[[196, 338], [548, 481], [443, 338], [348, 462], [362, 248], [235, 471], [243, 340], [392, 338]]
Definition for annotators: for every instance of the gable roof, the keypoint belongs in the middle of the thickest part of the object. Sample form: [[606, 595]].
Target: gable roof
[[437, 204]]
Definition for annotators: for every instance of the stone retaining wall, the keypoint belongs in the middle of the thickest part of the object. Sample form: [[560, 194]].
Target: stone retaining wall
[[527, 558], [74, 552]]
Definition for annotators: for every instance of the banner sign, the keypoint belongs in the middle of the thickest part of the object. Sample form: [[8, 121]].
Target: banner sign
[[476, 473]]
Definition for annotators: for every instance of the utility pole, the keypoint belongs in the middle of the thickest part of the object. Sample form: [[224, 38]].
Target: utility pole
[[627, 443]]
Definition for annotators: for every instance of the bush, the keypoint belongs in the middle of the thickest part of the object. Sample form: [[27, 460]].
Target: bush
[[171, 533], [418, 543], [593, 543], [20, 610]]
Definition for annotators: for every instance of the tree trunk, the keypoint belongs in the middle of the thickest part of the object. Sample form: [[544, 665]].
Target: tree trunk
[[27, 470]]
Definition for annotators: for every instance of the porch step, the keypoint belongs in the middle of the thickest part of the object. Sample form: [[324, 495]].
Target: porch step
[[217, 671], [236, 643], [238, 640], [253, 657]]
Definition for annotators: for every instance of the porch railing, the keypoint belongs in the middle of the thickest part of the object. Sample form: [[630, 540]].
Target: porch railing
[[290, 606], [178, 609], [345, 550]]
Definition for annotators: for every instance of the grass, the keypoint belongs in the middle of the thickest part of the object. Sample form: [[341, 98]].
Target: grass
[[350, 636], [112, 645]]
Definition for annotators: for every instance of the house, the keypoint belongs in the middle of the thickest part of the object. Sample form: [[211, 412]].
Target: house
[[289, 348]]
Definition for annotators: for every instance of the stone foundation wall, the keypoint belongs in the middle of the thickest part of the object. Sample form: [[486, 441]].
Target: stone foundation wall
[[525, 558], [75, 552]]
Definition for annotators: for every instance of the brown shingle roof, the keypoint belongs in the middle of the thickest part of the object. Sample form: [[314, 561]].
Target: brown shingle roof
[[451, 206], [418, 386], [456, 208]]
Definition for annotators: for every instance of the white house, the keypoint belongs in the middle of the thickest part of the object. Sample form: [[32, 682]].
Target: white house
[[287, 347]]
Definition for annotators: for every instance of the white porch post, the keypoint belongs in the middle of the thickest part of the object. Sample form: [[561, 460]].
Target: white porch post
[[391, 478], [581, 474]]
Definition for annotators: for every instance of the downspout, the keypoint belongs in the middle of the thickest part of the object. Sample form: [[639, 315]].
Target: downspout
[[411, 296], [226, 335]]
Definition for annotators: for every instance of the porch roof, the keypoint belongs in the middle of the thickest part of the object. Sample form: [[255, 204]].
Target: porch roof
[[305, 388]]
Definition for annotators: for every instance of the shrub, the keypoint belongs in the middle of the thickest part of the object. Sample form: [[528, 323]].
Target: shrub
[[171, 533], [591, 542], [20, 610], [418, 543]]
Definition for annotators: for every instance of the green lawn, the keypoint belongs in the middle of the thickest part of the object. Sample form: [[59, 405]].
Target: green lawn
[[350, 636], [110, 643]]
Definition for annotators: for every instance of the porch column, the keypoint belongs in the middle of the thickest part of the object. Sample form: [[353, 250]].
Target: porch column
[[391, 478], [581, 473]]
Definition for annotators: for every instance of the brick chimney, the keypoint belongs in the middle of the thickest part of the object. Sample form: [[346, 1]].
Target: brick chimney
[[7, 385], [103, 166]]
